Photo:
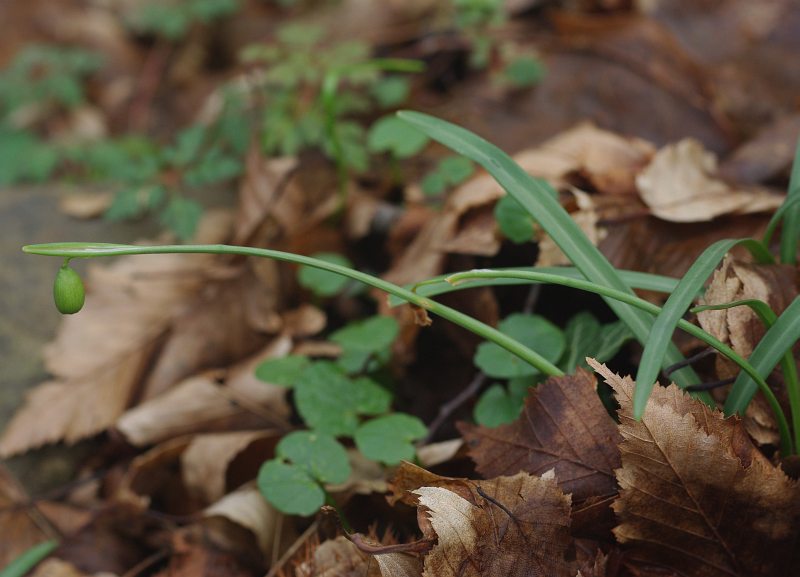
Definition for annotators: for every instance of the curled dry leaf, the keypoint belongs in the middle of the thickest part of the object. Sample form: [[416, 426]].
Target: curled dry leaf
[[210, 401], [221, 324], [737, 280], [742, 329], [247, 508], [696, 497], [97, 366], [207, 458], [681, 185], [564, 427]]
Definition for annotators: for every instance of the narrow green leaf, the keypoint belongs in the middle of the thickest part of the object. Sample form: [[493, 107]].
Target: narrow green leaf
[[791, 221], [779, 338], [661, 332], [537, 197], [438, 285], [29, 559]]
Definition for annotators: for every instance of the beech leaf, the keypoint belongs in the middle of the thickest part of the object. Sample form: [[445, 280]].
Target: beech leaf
[[695, 497]]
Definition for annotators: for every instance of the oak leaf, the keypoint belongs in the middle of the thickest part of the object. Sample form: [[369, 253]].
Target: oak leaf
[[696, 497]]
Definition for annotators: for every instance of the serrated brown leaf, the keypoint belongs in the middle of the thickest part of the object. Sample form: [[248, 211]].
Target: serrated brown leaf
[[564, 427], [695, 497]]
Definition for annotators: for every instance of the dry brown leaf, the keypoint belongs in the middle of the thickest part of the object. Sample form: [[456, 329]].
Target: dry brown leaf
[[339, 558], [205, 462], [208, 402], [246, 507], [563, 426], [681, 185], [54, 567], [220, 325], [736, 280], [742, 329], [98, 366], [696, 498], [193, 557], [586, 217], [85, 204], [263, 182], [608, 161], [21, 525], [304, 321], [510, 526]]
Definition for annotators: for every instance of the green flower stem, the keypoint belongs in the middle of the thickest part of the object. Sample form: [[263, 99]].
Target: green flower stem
[[93, 250], [787, 446]]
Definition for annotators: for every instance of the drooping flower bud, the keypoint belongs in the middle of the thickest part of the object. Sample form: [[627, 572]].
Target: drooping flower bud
[[68, 291]]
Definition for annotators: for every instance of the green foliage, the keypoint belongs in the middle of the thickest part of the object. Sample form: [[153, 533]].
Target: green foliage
[[338, 399], [532, 330], [450, 171], [523, 72], [583, 336], [393, 135], [45, 75], [25, 158], [321, 282], [365, 340], [310, 90], [388, 439], [172, 19], [159, 178], [478, 21], [282, 371], [304, 462]]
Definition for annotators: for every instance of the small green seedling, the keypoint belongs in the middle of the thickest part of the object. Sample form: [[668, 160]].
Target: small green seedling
[[583, 336], [305, 462], [339, 399], [41, 80], [68, 291], [172, 20], [449, 172]]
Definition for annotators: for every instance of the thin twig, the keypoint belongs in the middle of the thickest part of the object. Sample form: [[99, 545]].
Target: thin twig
[[710, 385], [689, 360], [452, 405]]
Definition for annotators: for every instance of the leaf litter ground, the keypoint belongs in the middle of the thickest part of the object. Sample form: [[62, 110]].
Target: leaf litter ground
[[181, 425]]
